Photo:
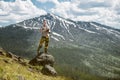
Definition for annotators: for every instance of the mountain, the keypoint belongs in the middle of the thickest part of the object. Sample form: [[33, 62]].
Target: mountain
[[88, 47]]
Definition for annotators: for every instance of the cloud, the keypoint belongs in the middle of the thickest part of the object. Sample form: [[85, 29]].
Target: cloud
[[18, 11], [45, 1], [93, 4], [103, 11], [8, 0], [116, 6], [107, 17]]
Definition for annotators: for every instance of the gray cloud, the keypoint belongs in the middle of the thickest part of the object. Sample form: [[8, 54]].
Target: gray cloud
[[8, 0], [12, 12], [84, 13], [93, 4], [117, 9]]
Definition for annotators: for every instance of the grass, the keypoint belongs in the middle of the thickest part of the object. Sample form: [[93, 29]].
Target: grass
[[76, 74], [12, 70]]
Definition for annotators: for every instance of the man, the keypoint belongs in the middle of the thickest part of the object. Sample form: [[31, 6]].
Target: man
[[44, 38]]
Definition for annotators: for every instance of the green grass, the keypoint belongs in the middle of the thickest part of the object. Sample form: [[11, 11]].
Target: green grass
[[65, 66], [12, 70], [76, 74]]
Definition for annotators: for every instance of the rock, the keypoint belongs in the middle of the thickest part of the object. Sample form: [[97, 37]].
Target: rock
[[17, 58], [9, 54], [21, 78], [23, 63], [42, 59], [33, 62], [30, 69], [45, 60], [1, 53], [48, 70], [14, 57], [5, 61]]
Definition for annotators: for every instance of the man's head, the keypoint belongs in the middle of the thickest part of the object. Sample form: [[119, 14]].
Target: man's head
[[44, 22]]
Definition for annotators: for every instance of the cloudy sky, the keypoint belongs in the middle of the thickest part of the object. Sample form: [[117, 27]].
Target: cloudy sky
[[103, 11]]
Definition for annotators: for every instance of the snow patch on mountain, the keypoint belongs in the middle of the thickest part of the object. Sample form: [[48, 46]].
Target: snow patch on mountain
[[116, 33], [65, 21], [108, 31], [52, 15], [97, 27], [62, 24], [86, 30], [54, 38], [54, 33], [89, 31], [53, 25], [26, 27], [71, 40]]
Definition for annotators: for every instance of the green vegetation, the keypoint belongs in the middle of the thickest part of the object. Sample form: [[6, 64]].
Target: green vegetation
[[15, 40], [69, 60], [13, 70], [68, 64]]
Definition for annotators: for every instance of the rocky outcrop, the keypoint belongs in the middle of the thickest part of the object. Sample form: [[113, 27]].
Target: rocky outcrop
[[13, 56], [49, 70], [1, 53], [45, 60]]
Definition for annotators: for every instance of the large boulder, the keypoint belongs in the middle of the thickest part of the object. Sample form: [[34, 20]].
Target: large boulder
[[49, 70], [45, 60], [42, 59]]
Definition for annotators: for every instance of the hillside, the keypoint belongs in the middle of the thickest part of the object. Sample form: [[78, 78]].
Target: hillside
[[19, 69], [12, 69]]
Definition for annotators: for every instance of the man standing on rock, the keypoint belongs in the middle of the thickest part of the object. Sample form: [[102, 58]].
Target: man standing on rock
[[44, 38]]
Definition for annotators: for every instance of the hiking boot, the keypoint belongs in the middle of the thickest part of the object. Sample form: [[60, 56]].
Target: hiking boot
[[46, 52], [38, 52]]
